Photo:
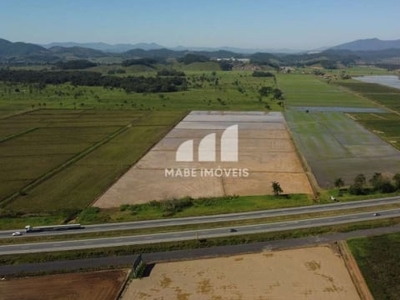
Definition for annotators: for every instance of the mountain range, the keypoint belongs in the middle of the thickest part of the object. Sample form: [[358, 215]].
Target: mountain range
[[373, 44], [120, 48], [369, 45], [369, 50], [116, 48]]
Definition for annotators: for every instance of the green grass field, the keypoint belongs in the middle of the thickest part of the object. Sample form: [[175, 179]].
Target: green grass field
[[336, 146], [308, 90], [332, 143], [109, 142], [379, 260], [381, 94], [384, 125], [207, 91]]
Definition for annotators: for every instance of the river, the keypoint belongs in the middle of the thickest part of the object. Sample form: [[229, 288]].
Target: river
[[388, 80]]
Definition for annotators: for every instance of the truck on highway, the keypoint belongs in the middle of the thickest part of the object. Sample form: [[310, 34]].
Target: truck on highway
[[29, 228]]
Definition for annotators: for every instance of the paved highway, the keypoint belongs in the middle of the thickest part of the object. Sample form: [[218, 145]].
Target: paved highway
[[156, 257], [193, 234], [216, 218]]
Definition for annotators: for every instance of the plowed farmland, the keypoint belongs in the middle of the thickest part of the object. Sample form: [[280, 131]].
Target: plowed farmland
[[78, 286], [312, 274], [265, 150]]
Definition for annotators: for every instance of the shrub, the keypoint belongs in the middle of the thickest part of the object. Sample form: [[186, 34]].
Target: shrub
[[357, 189], [262, 74], [69, 214], [170, 207], [135, 208], [155, 204], [89, 214], [124, 207]]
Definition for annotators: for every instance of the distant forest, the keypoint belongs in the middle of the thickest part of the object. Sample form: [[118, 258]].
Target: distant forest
[[139, 84]]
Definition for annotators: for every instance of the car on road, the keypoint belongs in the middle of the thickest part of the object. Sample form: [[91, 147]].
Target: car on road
[[17, 233], [232, 230], [377, 214]]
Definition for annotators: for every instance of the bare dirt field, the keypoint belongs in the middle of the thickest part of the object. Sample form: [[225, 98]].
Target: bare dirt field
[[265, 150], [103, 285], [310, 273]]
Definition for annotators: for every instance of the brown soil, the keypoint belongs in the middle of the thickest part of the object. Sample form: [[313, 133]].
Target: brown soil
[[311, 273], [103, 285]]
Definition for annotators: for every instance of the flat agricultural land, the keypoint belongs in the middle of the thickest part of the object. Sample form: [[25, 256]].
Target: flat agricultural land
[[265, 150], [54, 160], [309, 90], [332, 142], [103, 285], [208, 90], [379, 261], [387, 96], [384, 125], [312, 273], [336, 146]]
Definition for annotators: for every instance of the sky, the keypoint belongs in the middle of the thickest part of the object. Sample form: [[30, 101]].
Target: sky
[[262, 24]]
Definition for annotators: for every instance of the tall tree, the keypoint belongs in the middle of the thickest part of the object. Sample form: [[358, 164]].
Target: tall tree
[[396, 179], [358, 187], [338, 184], [276, 188]]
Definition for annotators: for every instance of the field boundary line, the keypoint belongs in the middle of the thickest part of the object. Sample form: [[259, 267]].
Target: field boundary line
[[354, 271], [362, 96], [9, 137], [306, 167], [124, 285], [168, 128], [18, 113]]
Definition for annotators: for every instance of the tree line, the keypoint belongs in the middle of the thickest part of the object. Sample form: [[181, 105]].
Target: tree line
[[137, 84], [377, 183], [75, 64]]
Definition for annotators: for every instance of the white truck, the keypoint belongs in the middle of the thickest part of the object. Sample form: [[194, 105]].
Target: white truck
[[29, 228]]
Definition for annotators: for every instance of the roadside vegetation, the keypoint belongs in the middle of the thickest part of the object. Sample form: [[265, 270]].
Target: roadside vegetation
[[77, 235], [378, 184], [186, 207]]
